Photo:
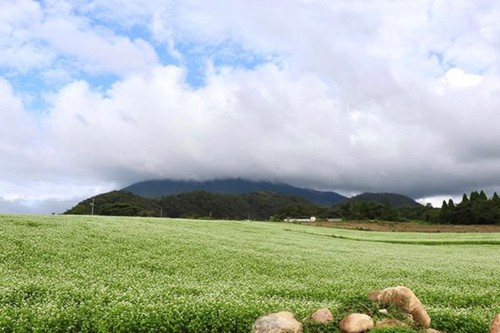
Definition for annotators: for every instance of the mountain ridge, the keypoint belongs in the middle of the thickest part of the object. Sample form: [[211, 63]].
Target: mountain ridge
[[166, 187], [395, 199]]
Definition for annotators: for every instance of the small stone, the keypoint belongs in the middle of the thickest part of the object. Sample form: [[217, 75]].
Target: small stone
[[279, 322], [356, 323], [495, 325], [322, 316], [383, 311], [430, 330]]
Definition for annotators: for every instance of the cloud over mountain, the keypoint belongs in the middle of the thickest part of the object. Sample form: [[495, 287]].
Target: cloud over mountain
[[348, 96]]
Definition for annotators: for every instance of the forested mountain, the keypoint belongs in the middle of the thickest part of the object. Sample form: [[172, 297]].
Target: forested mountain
[[396, 200], [199, 204], [251, 206], [477, 209], [159, 188], [117, 203]]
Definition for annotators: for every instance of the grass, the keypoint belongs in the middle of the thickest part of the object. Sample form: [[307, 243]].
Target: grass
[[98, 274]]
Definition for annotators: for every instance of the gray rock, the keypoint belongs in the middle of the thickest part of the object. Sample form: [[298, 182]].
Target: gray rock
[[322, 316], [356, 323], [279, 322]]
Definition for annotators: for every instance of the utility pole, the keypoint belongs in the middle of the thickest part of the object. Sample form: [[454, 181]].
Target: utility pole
[[92, 204], [161, 212]]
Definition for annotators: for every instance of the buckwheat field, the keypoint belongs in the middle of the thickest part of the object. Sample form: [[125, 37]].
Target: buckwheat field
[[97, 274]]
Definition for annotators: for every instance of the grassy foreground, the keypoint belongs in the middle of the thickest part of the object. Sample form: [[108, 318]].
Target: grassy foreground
[[96, 274]]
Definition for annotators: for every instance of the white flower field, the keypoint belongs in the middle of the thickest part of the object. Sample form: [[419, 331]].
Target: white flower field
[[98, 274]]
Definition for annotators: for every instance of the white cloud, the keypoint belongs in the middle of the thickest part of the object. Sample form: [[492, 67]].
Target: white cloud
[[98, 51], [18, 49], [18, 138], [35, 36], [47, 198], [269, 123], [15, 123], [457, 78]]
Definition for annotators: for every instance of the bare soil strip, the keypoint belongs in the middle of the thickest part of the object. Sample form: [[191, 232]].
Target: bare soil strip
[[405, 226]]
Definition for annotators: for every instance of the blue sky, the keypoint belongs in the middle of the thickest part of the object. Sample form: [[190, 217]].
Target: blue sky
[[346, 96], [50, 75]]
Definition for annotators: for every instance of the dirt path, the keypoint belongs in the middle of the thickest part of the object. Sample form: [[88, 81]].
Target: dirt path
[[405, 226]]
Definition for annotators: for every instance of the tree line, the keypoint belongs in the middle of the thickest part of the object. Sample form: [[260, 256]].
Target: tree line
[[250, 206], [476, 209], [198, 204]]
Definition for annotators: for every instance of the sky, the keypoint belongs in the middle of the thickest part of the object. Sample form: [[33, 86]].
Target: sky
[[350, 96]]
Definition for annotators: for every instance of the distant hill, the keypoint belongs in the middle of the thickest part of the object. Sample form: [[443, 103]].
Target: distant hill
[[117, 203], [159, 188], [252, 206], [199, 204], [396, 200]]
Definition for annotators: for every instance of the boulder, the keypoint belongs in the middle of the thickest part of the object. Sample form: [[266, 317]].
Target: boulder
[[356, 323], [404, 299], [495, 325], [322, 316], [279, 322]]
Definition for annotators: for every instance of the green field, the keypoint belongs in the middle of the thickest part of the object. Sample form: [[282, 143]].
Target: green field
[[96, 274]]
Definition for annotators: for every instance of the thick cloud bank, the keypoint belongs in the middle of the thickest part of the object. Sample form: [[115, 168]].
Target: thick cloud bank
[[346, 96]]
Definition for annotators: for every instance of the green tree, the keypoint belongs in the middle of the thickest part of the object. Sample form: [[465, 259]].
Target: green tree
[[465, 199], [451, 204], [444, 213], [478, 210], [389, 213], [120, 209], [482, 196]]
